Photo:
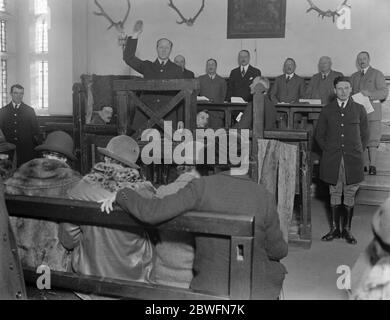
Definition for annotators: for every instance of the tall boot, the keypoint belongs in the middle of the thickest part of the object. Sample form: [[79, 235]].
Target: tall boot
[[346, 225], [334, 221]]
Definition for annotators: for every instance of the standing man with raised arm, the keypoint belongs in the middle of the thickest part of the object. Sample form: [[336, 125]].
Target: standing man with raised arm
[[371, 83], [161, 68]]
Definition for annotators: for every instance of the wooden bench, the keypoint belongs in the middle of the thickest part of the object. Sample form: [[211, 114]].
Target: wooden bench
[[239, 229]]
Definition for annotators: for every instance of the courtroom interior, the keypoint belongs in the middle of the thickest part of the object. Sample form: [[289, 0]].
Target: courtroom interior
[[194, 149]]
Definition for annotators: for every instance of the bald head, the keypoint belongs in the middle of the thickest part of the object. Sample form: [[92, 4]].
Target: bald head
[[180, 61], [325, 64]]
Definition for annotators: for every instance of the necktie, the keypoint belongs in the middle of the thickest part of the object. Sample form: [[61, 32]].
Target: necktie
[[342, 105], [362, 73], [324, 77], [288, 79], [243, 72]]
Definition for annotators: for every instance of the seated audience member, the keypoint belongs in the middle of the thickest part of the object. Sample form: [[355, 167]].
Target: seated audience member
[[103, 116], [7, 158], [213, 87], [289, 87], [259, 84], [175, 250], [181, 62], [321, 84], [241, 78], [235, 195], [202, 119], [107, 252], [371, 273], [50, 176]]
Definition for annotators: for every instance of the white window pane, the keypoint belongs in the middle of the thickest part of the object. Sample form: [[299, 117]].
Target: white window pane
[[40, 7], [41, 35], [3, 5]]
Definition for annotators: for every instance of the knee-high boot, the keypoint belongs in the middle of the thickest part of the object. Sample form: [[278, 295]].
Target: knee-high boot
[[334, 221], [346, 225]]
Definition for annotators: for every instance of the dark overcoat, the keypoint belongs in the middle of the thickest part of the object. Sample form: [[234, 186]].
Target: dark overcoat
[[342, 133], [20, 127], [235, 195]]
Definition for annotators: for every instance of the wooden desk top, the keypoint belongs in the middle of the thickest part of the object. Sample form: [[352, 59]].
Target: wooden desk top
[[300, 105]]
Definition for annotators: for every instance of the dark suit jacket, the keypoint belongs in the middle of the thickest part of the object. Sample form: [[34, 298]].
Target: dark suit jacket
[[187, 74], [21, 128], [239, 86], [342, 133], [236, 195], [288, 92]]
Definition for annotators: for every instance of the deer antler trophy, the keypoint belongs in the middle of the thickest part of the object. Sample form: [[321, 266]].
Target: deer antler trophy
[[190, 21], [119, 26]]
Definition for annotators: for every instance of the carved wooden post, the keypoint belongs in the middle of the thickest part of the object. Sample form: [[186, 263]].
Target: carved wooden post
[[258, 130], [78, 122], [124, 121]]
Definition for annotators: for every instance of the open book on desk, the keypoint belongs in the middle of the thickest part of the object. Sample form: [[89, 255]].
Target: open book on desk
[[202, 99], [237, 100]]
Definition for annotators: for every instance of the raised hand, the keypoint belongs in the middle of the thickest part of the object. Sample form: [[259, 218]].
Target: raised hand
[[138, 28]]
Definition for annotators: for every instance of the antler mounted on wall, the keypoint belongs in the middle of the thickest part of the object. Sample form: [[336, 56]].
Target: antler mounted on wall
[[190, 21], [328, 13], [119, 26]]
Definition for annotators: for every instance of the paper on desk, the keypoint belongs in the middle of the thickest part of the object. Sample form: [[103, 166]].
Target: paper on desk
[[237, 100], [202, 98], [364, 101], [238, 119], [310, 101]]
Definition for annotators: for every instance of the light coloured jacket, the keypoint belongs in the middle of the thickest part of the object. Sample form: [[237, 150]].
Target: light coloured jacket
[[374, 81], [175, 251], [106, 252]]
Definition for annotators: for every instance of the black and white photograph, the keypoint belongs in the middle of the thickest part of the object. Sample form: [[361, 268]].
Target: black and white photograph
[[205, 153]]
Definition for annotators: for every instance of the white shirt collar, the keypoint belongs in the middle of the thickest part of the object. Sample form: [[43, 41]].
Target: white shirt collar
[[162, 61], [16, 106], [326, 74], [365, 70], [245, 68], [339, 102], [212, 76], [290, 75]]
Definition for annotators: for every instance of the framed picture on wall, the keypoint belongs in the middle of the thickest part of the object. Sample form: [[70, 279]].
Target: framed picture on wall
[[248, 19]]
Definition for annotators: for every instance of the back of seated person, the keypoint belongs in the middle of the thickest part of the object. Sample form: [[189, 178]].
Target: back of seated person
[[49, 176], [107, 252]]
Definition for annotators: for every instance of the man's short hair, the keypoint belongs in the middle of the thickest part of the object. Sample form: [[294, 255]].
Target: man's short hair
[[212, 59], [341, 79], [292, 60], [364, 52], [170, 42], [246, 51], [16, 86]]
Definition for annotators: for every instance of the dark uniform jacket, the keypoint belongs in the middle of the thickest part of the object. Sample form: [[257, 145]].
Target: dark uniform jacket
[[187, 74], [238, 86], [21, 128], [151, 70], [236, 195], [288, 92], [342, 133], [11, 274]]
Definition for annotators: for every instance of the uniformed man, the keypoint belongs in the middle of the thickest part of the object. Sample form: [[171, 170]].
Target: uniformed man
[[20, 125], [371, 83], [181, 62], [161, 68], [342, 134]]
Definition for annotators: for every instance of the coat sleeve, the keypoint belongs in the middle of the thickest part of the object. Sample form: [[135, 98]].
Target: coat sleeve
[[320, 134], [130, 58], [302, 89], [223, 90], [34, 127], [275, 245], [309, 89], [382, 90], [156, 211], [274, 92], [364, 131]]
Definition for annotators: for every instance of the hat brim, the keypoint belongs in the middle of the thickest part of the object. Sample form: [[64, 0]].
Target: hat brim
[[58, 149], [107, 153], [5, 146]]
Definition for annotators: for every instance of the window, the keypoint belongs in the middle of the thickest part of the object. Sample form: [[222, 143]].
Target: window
[[3, 5], [39, 63], [3, 82], [3, 35]]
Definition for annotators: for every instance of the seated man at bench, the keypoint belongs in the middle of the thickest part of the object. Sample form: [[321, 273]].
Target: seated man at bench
[[105, 252], [223, 192], [49, 176]]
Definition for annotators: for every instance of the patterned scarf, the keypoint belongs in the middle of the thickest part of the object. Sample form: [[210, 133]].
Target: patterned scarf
[[114, 177]]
